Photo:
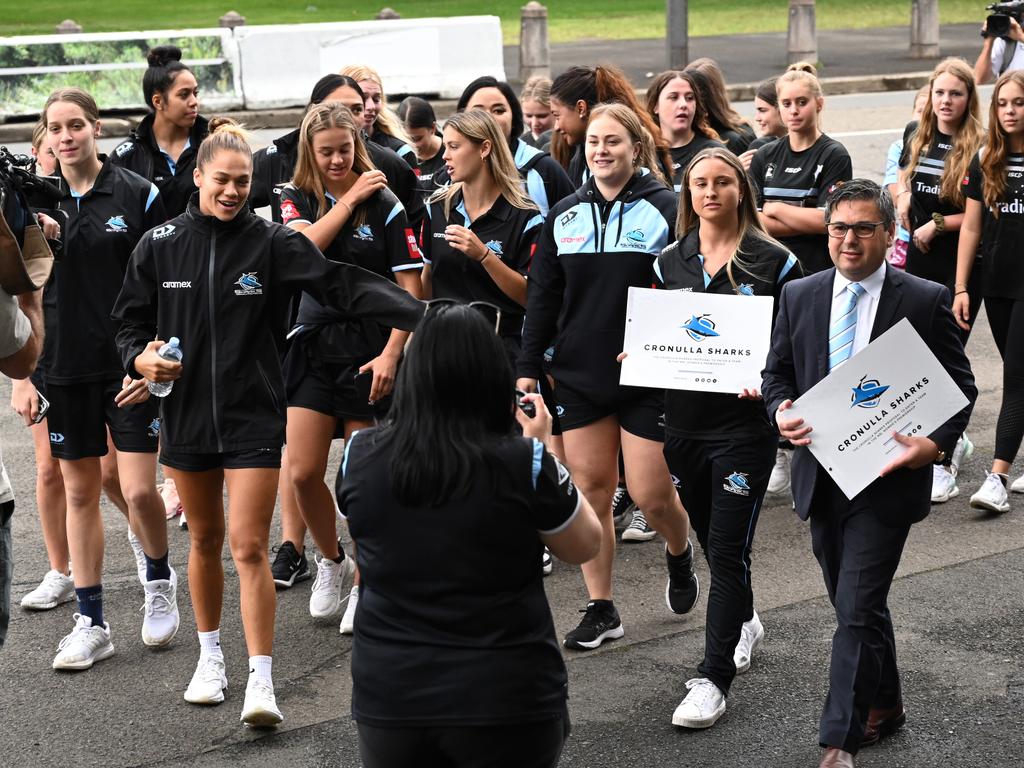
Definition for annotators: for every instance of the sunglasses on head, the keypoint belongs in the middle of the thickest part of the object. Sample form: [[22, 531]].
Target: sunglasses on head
[[491, 312]]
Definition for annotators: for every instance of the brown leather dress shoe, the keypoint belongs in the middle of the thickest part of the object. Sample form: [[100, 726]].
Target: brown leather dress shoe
[[883, 722], [836, 758]]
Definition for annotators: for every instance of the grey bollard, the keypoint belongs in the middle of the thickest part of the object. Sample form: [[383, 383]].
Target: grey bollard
[[802, 40], [387, 13], [534, 48], [677, 33], [231, 19], [68, 27], [924, 29]]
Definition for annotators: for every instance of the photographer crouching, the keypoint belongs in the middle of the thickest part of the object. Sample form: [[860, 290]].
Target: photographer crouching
[[1003, 48]]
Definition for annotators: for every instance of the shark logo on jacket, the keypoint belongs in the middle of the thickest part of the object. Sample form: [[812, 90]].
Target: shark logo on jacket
[[116, 224], [868, 393], [494, 246], [153, 429], [745, 289], [737, 483], [700, 328], [248, 285], [363, 233]]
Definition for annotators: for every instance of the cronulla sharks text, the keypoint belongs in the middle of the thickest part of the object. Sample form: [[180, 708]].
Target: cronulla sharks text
[[882, 413]]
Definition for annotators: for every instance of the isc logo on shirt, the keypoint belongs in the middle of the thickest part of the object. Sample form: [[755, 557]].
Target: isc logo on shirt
[[797, 169]]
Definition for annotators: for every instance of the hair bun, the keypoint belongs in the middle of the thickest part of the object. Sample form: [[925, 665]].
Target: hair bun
[[162, 55], [225, 124]]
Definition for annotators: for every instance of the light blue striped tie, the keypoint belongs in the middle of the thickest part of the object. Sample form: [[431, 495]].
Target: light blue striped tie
[[844, 328]]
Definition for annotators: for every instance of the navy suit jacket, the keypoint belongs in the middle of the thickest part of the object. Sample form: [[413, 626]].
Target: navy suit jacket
[[798, 360]]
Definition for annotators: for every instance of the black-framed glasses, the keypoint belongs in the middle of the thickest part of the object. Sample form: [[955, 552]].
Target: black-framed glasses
[[862, 229], [491, 312]]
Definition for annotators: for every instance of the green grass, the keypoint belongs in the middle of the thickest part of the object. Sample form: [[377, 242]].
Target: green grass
[[568, 19]]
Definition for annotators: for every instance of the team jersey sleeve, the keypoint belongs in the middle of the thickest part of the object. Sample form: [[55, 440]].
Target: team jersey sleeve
[[402, 243], [136, 306], [402, 181], [837, 168], [790, 269], [555, 500], [427, 239], [908, 135], [974, 182], [543, 301], [523, 257], [297, 264], [892, 163], [295, 207], [556, 181], [259, 190], [154, 213], [756, 176]]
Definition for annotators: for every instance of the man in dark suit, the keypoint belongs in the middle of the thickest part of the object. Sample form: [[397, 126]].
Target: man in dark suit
[[823, 320]]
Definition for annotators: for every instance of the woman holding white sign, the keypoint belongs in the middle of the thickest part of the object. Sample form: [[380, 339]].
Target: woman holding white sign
[[721, 446], [597, 243]]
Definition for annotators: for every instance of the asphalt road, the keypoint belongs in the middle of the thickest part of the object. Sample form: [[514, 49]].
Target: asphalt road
[[956, 604]]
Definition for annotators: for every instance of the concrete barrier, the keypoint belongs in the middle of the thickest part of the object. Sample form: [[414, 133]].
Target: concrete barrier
[[109, 65], [280, 63]]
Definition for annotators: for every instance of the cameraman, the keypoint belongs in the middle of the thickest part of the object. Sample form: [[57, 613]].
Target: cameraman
[[995, 57]]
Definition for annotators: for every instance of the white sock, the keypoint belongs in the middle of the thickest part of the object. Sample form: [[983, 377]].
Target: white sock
[[259, 668], [209, 644]]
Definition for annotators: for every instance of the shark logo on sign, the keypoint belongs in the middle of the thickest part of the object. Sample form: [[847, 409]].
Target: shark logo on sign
[[700, 328], [868, 393]]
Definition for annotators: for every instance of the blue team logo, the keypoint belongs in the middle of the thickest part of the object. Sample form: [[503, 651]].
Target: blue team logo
[[248, 285], [868, 393], [745, 289], [636, 236], [495, 247], [699, 328], [737, 483], [363, 232], [116, 224], [153, 429]]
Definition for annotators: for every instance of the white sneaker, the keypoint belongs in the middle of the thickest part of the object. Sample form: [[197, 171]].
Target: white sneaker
[[961, 453], [160, 624], [260, 708], [991, 495], [140, 556], [54, 589], [1017, 486], [702, 707], [84, 646], [750, 638], [182, 522], [208, 681], [332, 580], [348, 621], [169, 495], [944, 485], [779, 480]]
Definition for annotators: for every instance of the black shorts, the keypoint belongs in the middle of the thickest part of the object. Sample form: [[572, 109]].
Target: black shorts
[[253, 458], [640, 412], [80, 414], [327, 387]]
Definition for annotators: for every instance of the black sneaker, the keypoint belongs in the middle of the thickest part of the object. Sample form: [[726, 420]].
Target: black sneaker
[[600, 622], [622, 507], [289, 566], [683, 588]]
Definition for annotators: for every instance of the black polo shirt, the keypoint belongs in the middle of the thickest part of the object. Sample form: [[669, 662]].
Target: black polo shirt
[[450, 639], [1002, 235], [510, 233], [681, 156], [103, 227]]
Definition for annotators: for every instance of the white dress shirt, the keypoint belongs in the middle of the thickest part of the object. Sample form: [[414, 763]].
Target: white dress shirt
[[867, 304]]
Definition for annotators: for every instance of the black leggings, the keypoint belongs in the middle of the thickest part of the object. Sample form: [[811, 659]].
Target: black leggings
[[516, 745], [1006, 318]]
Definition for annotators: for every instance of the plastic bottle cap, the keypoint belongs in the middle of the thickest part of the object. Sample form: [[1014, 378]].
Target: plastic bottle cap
[[174, 341]]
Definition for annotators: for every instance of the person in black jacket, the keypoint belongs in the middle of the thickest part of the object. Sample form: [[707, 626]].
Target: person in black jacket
[[720, 446], [219, 278], [595, 245], [163, 147], [382, 126], [107, 210], [420, 123], [340, 202], [732, 128]]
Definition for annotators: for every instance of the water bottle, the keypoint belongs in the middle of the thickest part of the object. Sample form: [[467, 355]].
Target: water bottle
[[169, 351]]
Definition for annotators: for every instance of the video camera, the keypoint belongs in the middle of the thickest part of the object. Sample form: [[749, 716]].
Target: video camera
[[25, 256], [998, 23]]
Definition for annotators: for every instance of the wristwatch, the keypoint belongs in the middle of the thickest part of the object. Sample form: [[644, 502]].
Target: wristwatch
[[940, 222]]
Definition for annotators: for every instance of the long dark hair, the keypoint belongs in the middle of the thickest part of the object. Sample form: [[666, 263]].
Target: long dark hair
[[518, 124], [328, 84], [713, 94], [453, 398]]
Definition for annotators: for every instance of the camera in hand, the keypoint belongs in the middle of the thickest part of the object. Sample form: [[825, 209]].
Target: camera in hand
[[525, 406], [998, 23]]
